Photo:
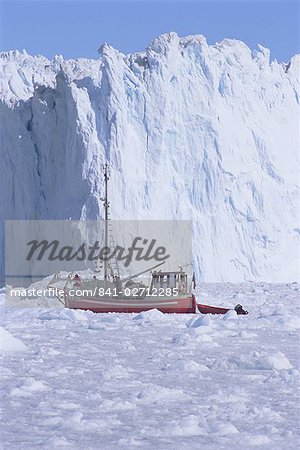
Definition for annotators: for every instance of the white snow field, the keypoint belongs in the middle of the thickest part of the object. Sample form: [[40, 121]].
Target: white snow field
[[79, 380], [208, 133]]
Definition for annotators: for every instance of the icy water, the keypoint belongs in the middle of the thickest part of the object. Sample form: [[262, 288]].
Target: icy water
[[79, 380]]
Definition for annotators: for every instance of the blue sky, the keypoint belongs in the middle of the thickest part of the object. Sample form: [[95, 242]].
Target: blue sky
[[76, 28]]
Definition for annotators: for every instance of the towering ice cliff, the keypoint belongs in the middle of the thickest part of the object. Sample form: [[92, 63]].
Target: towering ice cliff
[[191, 130]]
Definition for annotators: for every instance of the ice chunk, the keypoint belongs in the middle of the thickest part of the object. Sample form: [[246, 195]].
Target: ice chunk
[[8, 343]]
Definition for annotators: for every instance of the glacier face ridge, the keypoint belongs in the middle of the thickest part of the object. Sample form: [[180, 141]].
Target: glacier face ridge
[[208, 133]]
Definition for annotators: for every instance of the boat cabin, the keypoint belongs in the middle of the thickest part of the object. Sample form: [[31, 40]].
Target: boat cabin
[[171, 280]]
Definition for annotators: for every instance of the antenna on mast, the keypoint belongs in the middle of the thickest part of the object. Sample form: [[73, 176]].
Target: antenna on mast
[[106, 208]]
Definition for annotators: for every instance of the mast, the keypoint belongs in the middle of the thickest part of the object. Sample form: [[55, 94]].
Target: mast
[[106, 207]]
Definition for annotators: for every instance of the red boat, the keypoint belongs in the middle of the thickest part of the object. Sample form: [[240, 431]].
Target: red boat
[[180, 304], [206, 309], [168, 292]]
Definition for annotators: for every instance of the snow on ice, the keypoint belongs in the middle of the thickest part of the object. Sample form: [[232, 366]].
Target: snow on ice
[[76, 379], [192, 131]]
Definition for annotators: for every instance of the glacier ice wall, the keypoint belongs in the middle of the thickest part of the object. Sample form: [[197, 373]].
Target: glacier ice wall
[[191, 130]]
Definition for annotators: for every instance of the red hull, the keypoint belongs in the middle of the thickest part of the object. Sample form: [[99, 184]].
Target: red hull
[[179, 305]]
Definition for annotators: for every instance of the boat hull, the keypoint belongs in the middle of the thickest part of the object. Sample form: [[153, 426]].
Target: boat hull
[[179, 305]]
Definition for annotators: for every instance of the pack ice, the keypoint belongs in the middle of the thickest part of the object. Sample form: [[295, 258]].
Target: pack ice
[[77, 380], [192, 131]]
